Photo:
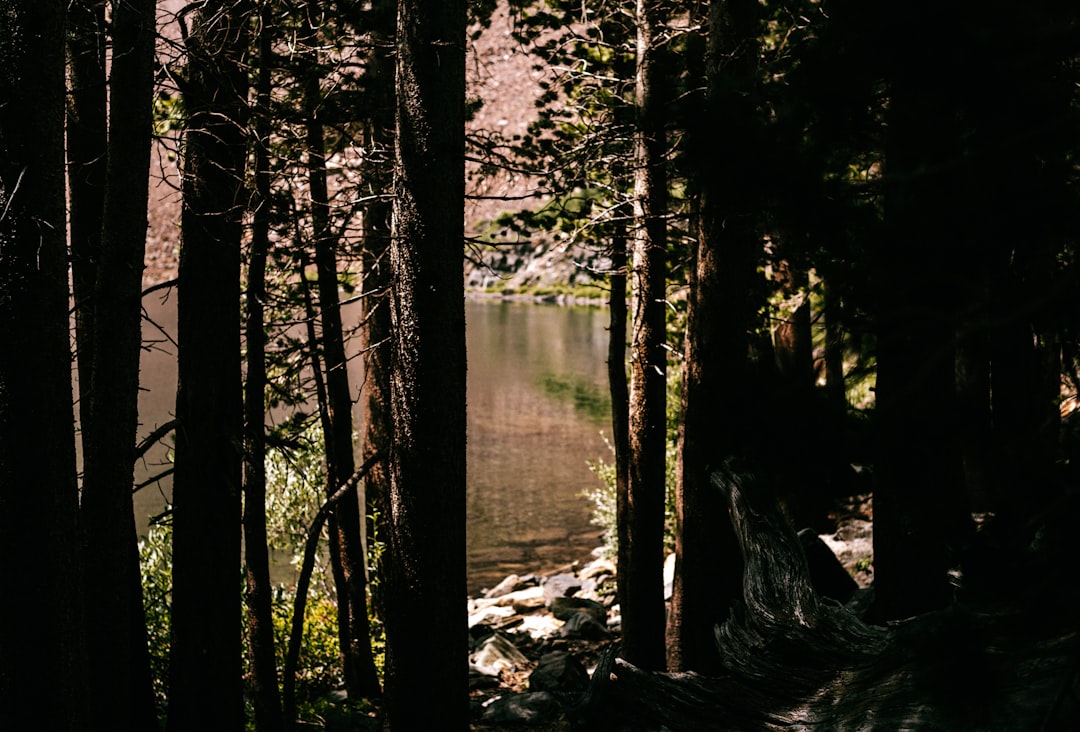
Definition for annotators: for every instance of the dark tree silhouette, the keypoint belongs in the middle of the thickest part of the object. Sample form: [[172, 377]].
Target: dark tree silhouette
[[43, 669], [641, 532], [719, 409], [266, 698], [424, 582], [87, 138], [121, 690], [205, 670], [917, 491]]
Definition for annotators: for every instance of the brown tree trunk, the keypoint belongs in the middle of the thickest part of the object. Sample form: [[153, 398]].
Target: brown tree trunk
[[793, 339], [43, 664], [424, 582], [835, 385], [918, 485], [205, 664], [375, 308], [87, 138], [641, 535], [266, 698], [616, 367], [121, 690], [346, 539], [720, 399]]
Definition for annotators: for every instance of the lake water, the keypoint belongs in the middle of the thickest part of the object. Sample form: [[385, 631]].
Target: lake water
[[538, 405]]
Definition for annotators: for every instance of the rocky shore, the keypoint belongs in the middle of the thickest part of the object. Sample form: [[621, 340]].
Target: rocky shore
[[536, 639]]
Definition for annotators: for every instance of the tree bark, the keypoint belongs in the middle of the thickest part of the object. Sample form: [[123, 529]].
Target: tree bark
[[616, 368], [641, 536], [43, 663], [121, 689], [720, 399], [425, 572], [87, 140], [375, 307], [346, 538], [205, 671], [918, 461], [258, 595]]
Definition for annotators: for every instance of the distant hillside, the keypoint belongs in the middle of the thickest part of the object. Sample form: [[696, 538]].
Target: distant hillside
[[501, 75]]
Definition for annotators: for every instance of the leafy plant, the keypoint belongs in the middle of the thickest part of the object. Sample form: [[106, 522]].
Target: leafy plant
[[155, 562], [295, 473]]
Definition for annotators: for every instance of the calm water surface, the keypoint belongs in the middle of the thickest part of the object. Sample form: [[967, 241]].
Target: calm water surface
[[538, 404]]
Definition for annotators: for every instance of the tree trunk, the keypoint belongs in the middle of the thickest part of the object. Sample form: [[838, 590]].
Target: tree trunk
[[835, 384], [616, 367], [43, 663], [205, 672], [792, 661], [720, 400], [641, 536], [266, 698], [121, 689], [918, 463], [424, 592], [87, 138], [794, 346], [346, 539], [375, 308]]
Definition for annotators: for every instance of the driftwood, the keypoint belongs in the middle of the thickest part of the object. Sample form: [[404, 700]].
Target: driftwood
[[796, 662]]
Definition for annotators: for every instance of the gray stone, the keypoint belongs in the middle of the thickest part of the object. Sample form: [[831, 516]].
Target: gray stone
[[559, 671], [583, 626], [497, 654], [512, 583], [532, 708], [563, 607], [560, 585]]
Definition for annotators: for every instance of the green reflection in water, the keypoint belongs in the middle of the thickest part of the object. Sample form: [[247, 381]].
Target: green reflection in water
[[586, 398]]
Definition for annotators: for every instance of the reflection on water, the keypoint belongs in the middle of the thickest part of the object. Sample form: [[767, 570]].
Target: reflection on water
[[538, 402]]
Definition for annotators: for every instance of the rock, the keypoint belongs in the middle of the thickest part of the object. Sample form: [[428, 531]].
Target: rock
[[563, 607], [489, 615], [582, 625], [524, 601], [559, 671], [540, 625], [497, 654], [596, 569], [827, 574], [669, 576], [531, 708], [512, 583], [560, 585]]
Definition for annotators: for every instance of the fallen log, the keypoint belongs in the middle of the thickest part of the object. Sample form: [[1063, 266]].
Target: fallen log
[[795, 662]]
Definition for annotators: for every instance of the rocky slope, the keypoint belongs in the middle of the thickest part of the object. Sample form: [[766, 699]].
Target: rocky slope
[[503, 78]]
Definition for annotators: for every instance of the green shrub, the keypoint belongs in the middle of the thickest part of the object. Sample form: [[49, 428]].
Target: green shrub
[[295, 478]]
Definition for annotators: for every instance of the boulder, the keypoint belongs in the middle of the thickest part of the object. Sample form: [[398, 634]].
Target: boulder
[[527, 600], [490, 615], [559, 671], [497, 654], [563, 607], [669, 576], [532, 708], [583, 626], [560, 585], [512, 583], [827, 575]]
